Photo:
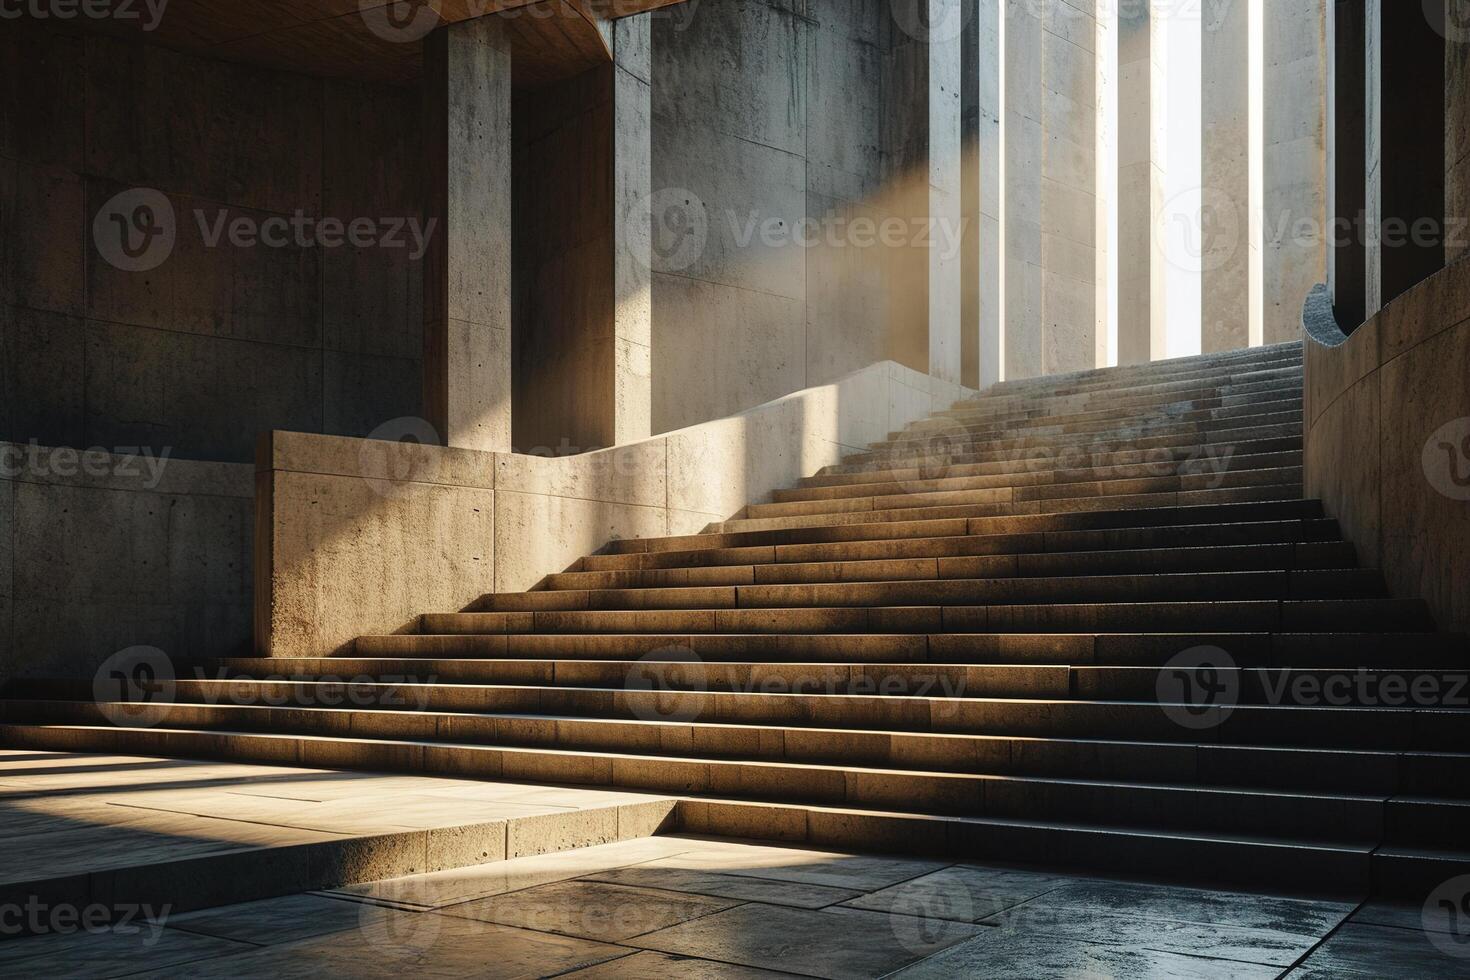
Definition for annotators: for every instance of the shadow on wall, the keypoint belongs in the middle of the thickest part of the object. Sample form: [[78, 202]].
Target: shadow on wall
[[363, 536], [1388, 436]]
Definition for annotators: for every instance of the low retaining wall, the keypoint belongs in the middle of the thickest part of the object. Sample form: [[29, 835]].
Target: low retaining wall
[[359, 536], [1388, 437], [100, 551]]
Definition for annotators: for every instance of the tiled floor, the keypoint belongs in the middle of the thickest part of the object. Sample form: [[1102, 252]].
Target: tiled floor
[[692, 908]]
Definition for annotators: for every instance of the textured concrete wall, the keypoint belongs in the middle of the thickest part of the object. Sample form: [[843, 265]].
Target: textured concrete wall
[[216, 343], [1388, 440], [1142, 298], [357, 536], [1294, 195], [100, 552], [1457, 125], [765, 113], [1024, 149], [1069, 170], [1225, 259], [982, 160]]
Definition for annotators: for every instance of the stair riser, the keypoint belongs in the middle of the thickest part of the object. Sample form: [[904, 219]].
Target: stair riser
[[1220, 559], [954, 590], [1079, 460], [1084, 409], [1201, 475], [1164, 468], [1322, 532], [1180, 808], [1021, 508], [962, 431]]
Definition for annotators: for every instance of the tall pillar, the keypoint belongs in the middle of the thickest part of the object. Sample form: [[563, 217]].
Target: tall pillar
[[1347, 176], [1457, 129], [981, 193], [1105, 295], [1069, 188], [467, 268], [1024, 141], [1225, 168], [631, 402], [1294, 195], [1406, 198], [1142, 321], [926, 134]]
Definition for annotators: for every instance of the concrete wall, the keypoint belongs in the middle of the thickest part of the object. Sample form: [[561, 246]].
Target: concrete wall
[[359, 536], [765, 112], [1457, 126], [1294, 195], [100, 552], [216, 343], [1388, 437]]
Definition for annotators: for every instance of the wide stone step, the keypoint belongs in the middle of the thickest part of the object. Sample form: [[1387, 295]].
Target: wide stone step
[[1254, 557], [1319, 817], [1269, 485], [963, 442], [1122, 381], [1015, 524], [961, 587], [1201, 476], [1189, 536], [1324, 649], [955, 430], [1078, 408], [1250, 615], [1079, 459], [1071, 447], [1171, 466]]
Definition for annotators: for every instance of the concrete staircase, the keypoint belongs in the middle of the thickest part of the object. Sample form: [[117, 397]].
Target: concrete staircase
[[1083, 620]]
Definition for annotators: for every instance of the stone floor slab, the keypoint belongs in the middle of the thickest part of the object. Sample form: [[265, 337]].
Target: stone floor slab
[[592, 909], [961, 894]]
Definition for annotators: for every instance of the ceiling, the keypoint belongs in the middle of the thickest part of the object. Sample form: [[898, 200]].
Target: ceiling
[[378, 40]]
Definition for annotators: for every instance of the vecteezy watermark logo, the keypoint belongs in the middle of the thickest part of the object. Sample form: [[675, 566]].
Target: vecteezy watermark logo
[[924, 917], [1446, 917], [136, 230], [38, 918], [679, 227], [1199, 688], [400, 934], [1447, 459], [399, 21], [64, 462], [1205, 224], [147, 13], [388, 459], [134, 687], [654, 697]]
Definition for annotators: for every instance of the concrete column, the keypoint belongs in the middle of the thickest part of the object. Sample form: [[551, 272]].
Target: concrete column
[[1023, 181], [1294, 194], [1225, 160], [981, 193], [1407, 127], [1142, 321], [926, 125], [1457, 128], [1347, 177], [467, 269], [1105, 295], [1069, 172], [632, 394]]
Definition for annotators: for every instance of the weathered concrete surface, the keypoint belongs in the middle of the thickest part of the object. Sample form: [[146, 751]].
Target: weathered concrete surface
[[1142, 313], [1457, 126], [467, 272], [770, 121], [100, 552], [1069, 191], [1228, 318], [1024, 149], [982, 158], [217, 342], [360, 536], [1294, 195], [1388, 441]]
